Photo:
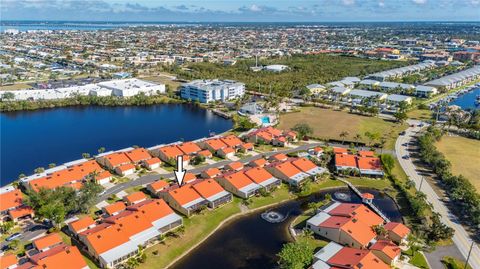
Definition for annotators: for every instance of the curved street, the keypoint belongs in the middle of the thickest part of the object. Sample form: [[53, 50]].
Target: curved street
[[461, 238]]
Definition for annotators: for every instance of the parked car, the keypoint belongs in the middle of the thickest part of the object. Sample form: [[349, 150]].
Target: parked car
[[406, 157], [402, 133], [13, 237]]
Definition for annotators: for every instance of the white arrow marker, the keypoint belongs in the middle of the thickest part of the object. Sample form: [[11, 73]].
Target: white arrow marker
[[180, 172]]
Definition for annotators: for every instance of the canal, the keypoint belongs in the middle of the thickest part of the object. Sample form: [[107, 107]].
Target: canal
[[31, 139], [251, 242]]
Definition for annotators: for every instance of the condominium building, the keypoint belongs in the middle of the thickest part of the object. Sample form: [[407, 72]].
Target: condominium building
[[205, 91]]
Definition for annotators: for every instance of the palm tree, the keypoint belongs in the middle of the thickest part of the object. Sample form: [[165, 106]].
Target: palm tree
[[343, 135], [357, 138]]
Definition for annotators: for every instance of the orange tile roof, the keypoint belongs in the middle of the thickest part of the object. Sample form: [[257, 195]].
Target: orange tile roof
[[365, 153], [231, 141], [8, 260], [135, 197], [280, 157], [153, 160], [356, 259], [227, 150], [153, 209], [304, 164], [397, 228], [287, 168], [259, 162], [106, 237], [205, 153], [138, 154], [238, 179], [20, 212], [369, 163], [359, 231], [171, 151], [81, 224], [117, 158], [265, 136], [387, 247], [10, 199], [189, 177], [115, 208], [189, 148], [184, 194], [235, 165], [159, 185], [338, 150], [258, 174], [212, 172], [47, 241], [207, 188], [103, 175], [59, 257], [247, 145], [215, 144], [68, 176], [345, 160], [126, 167], [359, 211]]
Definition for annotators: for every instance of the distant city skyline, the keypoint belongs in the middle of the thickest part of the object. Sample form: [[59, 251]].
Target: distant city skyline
[[242, 11]]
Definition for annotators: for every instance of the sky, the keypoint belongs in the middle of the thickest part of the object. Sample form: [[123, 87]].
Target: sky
[[241, 11]]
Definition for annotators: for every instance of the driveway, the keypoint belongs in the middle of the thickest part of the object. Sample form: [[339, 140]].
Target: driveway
[[461, 238]]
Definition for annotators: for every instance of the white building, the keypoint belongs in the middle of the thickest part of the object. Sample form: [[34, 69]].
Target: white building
[[205, 91], [276, 68], [131, 87]]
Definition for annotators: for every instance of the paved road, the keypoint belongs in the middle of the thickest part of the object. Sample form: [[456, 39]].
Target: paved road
[[29, 233], [461, 238]]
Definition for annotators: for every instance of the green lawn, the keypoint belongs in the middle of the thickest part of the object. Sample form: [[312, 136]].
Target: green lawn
[[464, 154], [328, 124], [419, 260], [279, 195], [453, 263], [420, 114]]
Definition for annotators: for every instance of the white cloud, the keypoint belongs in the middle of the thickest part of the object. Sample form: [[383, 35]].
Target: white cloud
[[348, 2], [419, 2], [255, 8], [381, 3]]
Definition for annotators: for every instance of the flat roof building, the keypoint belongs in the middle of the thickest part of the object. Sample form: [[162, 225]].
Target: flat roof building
[[205, 91]]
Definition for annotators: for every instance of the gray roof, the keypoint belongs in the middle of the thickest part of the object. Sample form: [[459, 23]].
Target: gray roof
[[368, 82], [328, 251], [402, 70], [250, 187], [422, 88], [397, 97], [365, 94], [316, 85], [318, 218], [454, 78], [217, 196]]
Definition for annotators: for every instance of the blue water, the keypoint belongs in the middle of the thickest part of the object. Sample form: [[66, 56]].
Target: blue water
[[265, 120], [467, 100], [31, 139]]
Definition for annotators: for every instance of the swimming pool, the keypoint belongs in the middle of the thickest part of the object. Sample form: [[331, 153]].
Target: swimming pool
[[265, 120]]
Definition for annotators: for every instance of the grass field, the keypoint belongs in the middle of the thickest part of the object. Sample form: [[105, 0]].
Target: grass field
[[328, 124], [165, 80], [14, 87], [420, 114], [464, 154]]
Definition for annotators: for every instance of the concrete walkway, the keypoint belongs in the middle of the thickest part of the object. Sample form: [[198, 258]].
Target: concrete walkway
[[461, 238]]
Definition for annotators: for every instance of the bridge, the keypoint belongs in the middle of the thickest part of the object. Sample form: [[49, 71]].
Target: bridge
[[367, 202]]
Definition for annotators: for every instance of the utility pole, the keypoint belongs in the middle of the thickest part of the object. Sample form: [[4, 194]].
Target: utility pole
[[421, 183], [468, 256]]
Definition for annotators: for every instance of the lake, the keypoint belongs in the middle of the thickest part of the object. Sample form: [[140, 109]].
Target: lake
[[31, 139], [467, 100], [251, 242]]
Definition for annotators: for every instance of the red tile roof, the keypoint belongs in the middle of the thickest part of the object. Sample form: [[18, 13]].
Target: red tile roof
[[397, 228], [337, 150], [207, 188], [189, 148], [184, 194], [258, 174], [159, 185], [20, 212], [356, 259], [171, 151], [117, 158], [59, 257], [81, 224], [138, 154], [304, 164], [345, 160], [115, 208], [369, 163], [8, 260], [135, 197], [231, 141], [215, 144], [10, 199], [238, 179], [387, 247], [47, 241]]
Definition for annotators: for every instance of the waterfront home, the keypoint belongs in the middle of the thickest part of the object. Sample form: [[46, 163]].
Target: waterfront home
[[81, 225], [231, 141], [212, 192], [307, 166], [72, 176], [425, 91], [234, 166], [345, 162], [135, 198], [138, 155], [346, 223], [113, 160], [156, 187], [287, 172], [334, 255], [10, 200], [183, 199], [370, 166], [115, 208], [214, 145], [189, 148], [169, 154], [238, 183], [456, 80], [210, 172], [117, 238], [131, 87], [397, 232], [152, 163], [262, 177], [226, 153], [387, 251]]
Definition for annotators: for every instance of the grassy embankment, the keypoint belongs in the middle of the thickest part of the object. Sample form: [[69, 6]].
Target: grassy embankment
[[464, 154], [328, 124]]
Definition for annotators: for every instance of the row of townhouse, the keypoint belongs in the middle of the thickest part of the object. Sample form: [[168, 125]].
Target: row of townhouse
[[352, 225], [12, 206], [270, 135], [364, 162], [125, 162], [118, 234], [48, 252]]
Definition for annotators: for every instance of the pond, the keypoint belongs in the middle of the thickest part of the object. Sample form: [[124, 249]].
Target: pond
[[31, 139], [252, 242]]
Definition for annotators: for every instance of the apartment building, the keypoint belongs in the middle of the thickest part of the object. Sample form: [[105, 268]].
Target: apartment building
[[205, 91]]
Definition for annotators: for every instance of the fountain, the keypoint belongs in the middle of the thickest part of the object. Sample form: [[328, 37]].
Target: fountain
[[273, 216]]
